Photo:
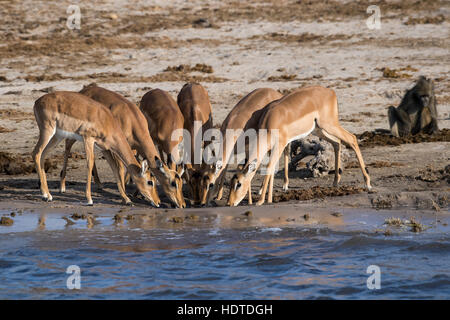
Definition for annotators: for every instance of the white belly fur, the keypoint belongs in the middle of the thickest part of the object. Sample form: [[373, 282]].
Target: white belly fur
[[303, 135], [68, 135]]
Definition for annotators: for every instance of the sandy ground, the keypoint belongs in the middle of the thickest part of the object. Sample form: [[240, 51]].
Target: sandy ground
[[249, 44]]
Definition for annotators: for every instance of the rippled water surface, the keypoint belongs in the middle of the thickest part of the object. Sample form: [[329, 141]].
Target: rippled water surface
[[212, 263]]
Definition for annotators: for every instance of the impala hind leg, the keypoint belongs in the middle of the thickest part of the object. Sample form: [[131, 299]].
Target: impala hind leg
[[45, 137], [350, 140], [336, 143]]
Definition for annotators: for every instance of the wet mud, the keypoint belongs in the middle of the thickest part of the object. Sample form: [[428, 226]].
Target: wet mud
[[316, 192], [11, 164], [370, 139]]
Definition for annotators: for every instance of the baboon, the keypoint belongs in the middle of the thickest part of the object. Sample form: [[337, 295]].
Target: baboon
[[417, 112]]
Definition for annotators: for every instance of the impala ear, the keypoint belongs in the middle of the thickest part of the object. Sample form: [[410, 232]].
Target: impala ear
[[251, 167], [159, 165], [169, 161], [144, 167], [217, 166], [180, 169], [189, 172]]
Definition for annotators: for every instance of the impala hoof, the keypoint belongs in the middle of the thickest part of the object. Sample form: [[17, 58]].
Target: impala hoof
[[90, 203], [47, 197], [130, 204]]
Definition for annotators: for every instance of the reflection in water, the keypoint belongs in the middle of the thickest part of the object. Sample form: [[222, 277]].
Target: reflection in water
[[196, 263], [41, 221]]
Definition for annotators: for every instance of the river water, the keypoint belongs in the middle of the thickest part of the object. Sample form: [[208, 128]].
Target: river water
[[207, 262]]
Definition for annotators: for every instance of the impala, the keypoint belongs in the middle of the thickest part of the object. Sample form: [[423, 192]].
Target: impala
[[134, 126], [163, 118], [293, 117], [194, 104], [70, 115], [245, 115]]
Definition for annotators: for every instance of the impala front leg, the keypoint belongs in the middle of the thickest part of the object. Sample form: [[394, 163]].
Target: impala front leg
[[62, 181], [263, 190], [275, 154], [120, 184], [250, 200], [269, 196], [286, 168], [97, 181], [89, 148]]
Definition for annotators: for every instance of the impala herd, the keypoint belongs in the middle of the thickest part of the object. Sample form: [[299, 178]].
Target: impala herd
[[124, 133]]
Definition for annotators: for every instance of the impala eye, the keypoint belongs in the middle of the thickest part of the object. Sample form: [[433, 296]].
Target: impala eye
[[174, 184], [150, 183], [211, 185], [238, 185]]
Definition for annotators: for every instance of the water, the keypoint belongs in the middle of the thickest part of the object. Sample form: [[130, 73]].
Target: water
[[208, 262]]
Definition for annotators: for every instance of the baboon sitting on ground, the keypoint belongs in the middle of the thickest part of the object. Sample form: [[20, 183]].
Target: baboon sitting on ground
[[417, 112]]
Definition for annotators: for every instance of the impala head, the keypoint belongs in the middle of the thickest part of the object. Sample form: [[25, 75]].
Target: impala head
[[171, 182], [151, 182], [208, 180], [240, 183], [146, 184]]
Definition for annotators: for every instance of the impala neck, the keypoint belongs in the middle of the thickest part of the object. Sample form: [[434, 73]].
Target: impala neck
[[149, 151], [123, 151], [227, 150]]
